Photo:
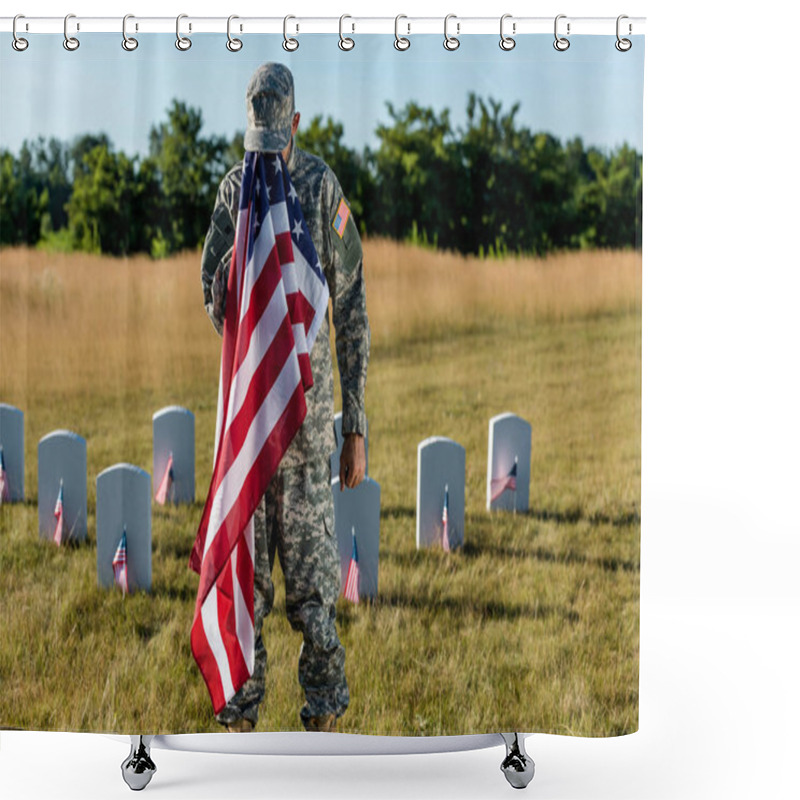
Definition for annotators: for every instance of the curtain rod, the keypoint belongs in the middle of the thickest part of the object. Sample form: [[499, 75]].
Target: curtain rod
[[408, 26]]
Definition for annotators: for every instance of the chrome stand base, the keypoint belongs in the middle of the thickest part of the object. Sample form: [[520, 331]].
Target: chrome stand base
[[517, 766], [138, 768]]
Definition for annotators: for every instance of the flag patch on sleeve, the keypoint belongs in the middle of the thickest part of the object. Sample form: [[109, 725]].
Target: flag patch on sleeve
[[340, 220]]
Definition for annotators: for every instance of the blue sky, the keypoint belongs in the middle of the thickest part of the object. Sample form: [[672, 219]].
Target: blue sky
[[591, 90]]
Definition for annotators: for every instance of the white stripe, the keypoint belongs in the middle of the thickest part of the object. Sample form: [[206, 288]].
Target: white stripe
[[220, 406], [280, 217], [209, 614], [264, 421], [244, 625], [263, 334], [314, 290], [262, 247], [300, 343]]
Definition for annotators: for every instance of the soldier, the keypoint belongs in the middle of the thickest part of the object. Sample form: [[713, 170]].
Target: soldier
[[295, 516]]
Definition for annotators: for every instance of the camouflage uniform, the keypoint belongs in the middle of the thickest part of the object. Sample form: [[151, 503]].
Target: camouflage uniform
[[295, 516]]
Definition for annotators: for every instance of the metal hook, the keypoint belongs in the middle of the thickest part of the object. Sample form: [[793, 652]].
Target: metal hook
[[561, 44], [400, 42], [451, 42], [623, 45], [345, 42], [182, 42], [233, 44], [18, 43], [70, 42], [128, 42], [289, 44], [506, 42]]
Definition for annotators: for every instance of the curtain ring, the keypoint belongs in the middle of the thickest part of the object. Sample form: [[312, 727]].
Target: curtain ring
[[345, 42], [623, 45], [451, 42], [18, 43], [289, 44], [400, 42], [70, 42], [181, 42], [561, 44], [507, 42], [233, 44], [128, 42]]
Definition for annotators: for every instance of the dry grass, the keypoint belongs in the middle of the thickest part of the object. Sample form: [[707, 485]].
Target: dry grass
[[534, 625]]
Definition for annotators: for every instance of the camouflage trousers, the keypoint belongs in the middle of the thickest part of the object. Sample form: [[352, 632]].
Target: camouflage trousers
[[295, 518]]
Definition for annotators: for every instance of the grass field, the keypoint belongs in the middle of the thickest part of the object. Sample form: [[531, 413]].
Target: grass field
[[532, 626]]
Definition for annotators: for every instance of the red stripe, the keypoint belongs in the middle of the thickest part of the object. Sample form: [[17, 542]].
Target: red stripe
[[245, 575], [285, 247], [300, 309], [306, 378]]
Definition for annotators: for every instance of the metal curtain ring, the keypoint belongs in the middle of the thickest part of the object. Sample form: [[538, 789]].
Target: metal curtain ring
[[289, 44], [128, 42], [561, 44], [400, 42], [233, 44], [507, 42], [70, 42], [345, 42], [18, 43], [623, 45], [451, 42], [182, 42]]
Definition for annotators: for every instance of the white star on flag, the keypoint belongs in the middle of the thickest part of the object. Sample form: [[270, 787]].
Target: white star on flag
[[297, 230], [277, 165], [292, 193]]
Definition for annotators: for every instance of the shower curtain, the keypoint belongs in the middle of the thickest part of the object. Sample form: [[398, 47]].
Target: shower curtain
[[487, 200]]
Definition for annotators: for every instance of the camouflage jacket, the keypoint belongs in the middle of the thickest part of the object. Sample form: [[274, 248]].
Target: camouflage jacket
[[340, 256]]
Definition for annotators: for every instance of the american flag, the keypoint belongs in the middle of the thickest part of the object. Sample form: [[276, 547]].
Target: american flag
[[277, 299], [351, 584], [120, 563], [499, 485], [445, 527], [166, 483], [59, 515], [4, 493]]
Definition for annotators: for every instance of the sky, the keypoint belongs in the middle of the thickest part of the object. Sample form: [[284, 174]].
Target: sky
[[591, 90]]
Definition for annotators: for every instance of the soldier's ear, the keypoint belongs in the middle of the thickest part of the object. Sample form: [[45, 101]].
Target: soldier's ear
[[295, 122]]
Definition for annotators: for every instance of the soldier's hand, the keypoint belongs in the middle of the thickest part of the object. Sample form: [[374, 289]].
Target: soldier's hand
[[218, 295], [353, 462]]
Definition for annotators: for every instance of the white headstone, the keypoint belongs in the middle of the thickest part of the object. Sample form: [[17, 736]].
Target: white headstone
[[123, 504], [173, 434], [359, 509], [508, 464], [12, 442], [62, 462], [337, 455], [441, 475]]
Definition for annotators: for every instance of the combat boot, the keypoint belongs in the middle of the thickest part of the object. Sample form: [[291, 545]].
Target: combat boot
[[241, 725], [326, 723]]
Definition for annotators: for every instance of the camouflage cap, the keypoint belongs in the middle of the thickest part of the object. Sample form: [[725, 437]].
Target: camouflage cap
[[270, 108]]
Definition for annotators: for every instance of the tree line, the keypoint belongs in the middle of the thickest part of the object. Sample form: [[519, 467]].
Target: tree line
[[490, 187]]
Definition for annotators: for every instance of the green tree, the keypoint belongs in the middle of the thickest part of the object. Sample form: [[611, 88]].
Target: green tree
[[100, 209], [187, 169]]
